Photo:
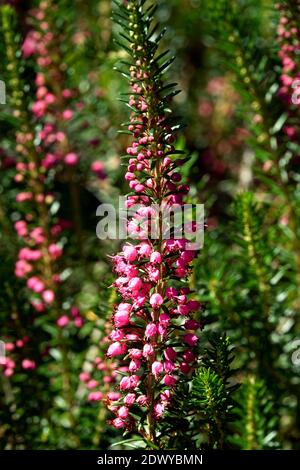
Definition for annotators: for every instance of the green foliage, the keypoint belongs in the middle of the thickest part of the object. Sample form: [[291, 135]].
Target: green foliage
[[251, 292], [258, 421], [211, 398], [203, 409], [213, 389], [247, 276]]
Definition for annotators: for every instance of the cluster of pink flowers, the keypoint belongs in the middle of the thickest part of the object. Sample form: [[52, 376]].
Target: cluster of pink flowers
[[41, 246], [8, 362], [39, 238], [288, 36], [154, 330], [146, 322], [101, 374], [99, 380], [32, 258]]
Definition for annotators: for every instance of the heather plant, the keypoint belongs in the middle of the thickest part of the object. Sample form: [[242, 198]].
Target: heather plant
[[154, 326], [37, 228], [42, 234], [163, 345]]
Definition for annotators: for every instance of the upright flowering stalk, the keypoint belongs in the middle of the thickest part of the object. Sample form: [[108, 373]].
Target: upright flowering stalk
[[54, 101], [54, 107], [38, 227], [37, 230], [154, 332]]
